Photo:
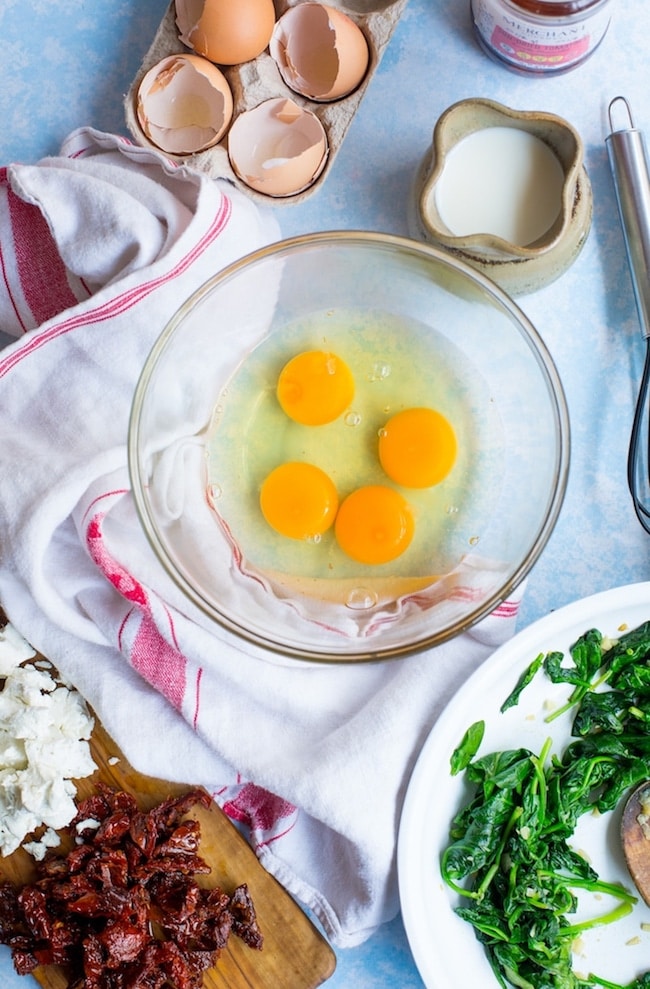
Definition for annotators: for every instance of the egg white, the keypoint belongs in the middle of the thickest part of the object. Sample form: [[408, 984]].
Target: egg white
[[396, 364]]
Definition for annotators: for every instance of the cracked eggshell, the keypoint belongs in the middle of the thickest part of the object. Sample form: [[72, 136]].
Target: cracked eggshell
[[258, 80], [228, 32], [184, 104], [277, 148], [320, 52]]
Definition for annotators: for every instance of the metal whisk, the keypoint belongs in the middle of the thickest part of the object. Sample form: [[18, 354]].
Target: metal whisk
[[629, 163]]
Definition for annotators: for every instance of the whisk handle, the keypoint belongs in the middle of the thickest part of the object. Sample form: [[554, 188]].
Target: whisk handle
[[629, 164]]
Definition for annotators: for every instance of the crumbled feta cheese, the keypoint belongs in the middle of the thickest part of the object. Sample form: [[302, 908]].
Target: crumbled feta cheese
[[37, 849], [51, 800], [12, 751], [14, 650], [44, 733], [55, 756]]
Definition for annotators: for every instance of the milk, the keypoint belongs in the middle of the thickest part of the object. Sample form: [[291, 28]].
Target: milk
[[501, 181]]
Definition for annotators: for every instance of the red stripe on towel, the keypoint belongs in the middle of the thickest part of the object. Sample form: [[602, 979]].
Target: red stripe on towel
[[507, 609], [160, 662], [121, 303], [42, 273]]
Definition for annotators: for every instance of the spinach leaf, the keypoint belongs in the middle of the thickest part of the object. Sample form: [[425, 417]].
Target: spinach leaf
[[500, 770], [643, 982], [631, 648], [468, 747], [526, 677], [633, 679], [586, 659], [509, 854], [482, 838], [601, 712]]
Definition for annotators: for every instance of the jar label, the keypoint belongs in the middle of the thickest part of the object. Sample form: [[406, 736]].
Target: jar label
[[533, 53], [536, 43]]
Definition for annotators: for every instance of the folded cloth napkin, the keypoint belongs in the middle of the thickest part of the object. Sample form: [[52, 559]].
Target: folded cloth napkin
[[98, 247]]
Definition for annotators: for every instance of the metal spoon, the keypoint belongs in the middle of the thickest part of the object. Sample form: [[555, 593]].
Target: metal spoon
[[635, 838]]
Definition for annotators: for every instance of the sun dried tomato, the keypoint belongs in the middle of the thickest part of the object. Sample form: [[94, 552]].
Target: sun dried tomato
[[123, 910], [122, 942], [173, 896], [186, 865], [8, 908], [75, 861], [35, 909], [184, 838], [144, 833], [243, 913], [92, 961], [24, 961]]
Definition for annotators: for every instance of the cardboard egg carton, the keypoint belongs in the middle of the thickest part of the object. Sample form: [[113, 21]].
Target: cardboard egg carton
[[258, 80]]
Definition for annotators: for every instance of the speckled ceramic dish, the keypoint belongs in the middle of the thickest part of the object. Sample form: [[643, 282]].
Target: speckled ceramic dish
[[518, 268]]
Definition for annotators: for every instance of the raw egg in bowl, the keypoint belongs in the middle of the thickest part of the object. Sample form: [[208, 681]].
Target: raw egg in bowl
[[348, 446]]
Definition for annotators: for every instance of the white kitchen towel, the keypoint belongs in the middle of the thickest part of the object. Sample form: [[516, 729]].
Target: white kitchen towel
[[98, 247]]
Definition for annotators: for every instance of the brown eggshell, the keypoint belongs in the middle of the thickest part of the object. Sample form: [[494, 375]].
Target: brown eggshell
[[184, 104], [277, 148], [259, 79], [227, 32], [321, 53]]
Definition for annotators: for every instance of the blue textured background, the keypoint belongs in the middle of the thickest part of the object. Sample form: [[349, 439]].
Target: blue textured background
[[67, 63]]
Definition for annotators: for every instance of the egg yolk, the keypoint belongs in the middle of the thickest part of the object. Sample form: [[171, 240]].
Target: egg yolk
[[299, 500], [417, 447], [315, 387], [374, 524]]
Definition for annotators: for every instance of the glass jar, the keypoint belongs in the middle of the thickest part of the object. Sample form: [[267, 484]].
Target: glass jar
[[541, 36]]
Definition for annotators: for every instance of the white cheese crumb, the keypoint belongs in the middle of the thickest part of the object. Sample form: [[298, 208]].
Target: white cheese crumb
[[88, 824], [13, 650], [45, 728], [37, 849]]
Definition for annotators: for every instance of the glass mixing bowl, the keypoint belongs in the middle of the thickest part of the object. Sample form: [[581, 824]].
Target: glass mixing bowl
[[206, 427]]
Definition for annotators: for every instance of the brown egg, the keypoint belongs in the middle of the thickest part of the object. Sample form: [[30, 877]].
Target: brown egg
[[320, 52], [184, 104], [226, 31]]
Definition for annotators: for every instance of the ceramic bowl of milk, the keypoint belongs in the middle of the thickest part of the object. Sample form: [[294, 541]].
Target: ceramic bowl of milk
[[506, 191]]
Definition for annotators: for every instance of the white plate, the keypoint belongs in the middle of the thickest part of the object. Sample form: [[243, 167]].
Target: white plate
[[444, 947]]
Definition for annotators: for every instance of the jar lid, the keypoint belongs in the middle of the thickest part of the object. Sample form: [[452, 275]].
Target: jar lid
[[557, 8]]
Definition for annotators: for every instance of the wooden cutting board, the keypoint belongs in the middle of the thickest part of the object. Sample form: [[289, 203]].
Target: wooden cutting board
[[295, 955]]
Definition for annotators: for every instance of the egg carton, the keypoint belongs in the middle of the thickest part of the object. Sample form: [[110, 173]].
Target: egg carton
[[259, 79]]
